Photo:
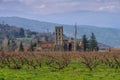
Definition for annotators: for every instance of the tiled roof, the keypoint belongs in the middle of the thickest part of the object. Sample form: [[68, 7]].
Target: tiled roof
[[47, 42]]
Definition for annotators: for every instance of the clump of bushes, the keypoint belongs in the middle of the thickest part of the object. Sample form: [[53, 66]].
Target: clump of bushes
[[57, 61]]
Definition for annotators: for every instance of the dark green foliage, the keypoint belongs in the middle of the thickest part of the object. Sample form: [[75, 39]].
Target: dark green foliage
[[22, 32], [2, 79], [20, 48], [46, 38], [70, 46], [93, 43], [11, 32], [34, 44], [85, 42], [90, 44], [31, 46]]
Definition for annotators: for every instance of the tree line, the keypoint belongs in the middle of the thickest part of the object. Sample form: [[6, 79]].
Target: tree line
[[14, 45], [89, 44]]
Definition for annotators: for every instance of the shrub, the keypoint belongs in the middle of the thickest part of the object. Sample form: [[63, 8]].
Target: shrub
[[57, 61], [90, 60]]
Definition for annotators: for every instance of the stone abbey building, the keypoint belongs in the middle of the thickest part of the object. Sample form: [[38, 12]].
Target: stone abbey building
[[58, 44]]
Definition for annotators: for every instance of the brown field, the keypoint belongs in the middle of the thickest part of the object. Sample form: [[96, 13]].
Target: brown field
[[58, 60]]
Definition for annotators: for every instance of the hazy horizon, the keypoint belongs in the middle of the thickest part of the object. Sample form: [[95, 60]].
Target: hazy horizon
[[101, 13]]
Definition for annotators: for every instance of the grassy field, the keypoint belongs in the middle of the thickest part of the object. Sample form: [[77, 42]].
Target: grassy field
[[74, 71]]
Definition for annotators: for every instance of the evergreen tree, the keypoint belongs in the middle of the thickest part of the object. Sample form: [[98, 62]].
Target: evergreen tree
[[85, 42], [93, 43], [20, 48], [46, 38], [70, 46], [31, 46], [34, 44], [22, 33]]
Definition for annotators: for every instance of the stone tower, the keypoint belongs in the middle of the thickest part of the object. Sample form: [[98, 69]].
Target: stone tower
[[59, 38]]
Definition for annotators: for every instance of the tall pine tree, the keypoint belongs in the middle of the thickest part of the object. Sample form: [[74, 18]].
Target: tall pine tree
[[85, 42], [20, 48], [93, 45], [31, 46]]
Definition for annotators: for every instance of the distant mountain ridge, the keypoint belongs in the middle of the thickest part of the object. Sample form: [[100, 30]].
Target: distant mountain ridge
[[109, 36]]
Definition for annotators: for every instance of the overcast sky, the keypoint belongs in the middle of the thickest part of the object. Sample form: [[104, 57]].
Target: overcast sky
[[105, 13]]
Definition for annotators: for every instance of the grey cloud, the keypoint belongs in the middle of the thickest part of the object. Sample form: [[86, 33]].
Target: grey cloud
[[60, 6]]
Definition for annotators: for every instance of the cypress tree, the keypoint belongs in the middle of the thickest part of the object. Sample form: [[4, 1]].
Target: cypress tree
[[20, 48], [22, 33], [31, 46], [85, 42], [93, 43]]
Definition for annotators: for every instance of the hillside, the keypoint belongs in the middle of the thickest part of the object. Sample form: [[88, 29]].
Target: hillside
[[107, 36], [14, 32]]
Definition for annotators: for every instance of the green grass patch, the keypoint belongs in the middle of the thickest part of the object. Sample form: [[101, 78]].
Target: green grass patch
[[72, 72]]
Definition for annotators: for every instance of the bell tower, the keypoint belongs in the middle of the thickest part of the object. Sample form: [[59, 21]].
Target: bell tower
[[59, 38]]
